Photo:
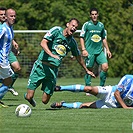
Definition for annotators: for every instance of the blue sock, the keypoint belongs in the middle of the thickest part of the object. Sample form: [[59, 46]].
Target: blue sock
[[72, 105], [73, 88], [3, 90]]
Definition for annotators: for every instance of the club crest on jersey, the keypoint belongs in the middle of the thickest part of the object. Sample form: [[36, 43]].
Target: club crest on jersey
[[60, 49], [96, 38]]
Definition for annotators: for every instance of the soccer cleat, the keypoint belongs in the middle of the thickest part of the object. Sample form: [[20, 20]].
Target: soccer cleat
[[3, 105], [57, 88], [88, 94], [57, 105], [15, 93], [32, 101]]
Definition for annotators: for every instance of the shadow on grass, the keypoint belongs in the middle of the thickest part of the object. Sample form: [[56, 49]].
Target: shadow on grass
[[54, 109]]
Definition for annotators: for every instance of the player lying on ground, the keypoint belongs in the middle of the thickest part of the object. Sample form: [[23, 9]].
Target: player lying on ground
[[116, 96]]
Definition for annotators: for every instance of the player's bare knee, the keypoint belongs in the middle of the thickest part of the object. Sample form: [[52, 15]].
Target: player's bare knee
[[17, 69], [88, 89], [105, 67]]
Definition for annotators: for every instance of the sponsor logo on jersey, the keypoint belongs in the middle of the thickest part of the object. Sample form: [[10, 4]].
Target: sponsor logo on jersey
[[96, 38], [60, 49], [96, 31]]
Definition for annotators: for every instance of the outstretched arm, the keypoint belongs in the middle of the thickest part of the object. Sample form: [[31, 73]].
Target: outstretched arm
[[84, 52], [107, 48], [81, 62], [120, 100]]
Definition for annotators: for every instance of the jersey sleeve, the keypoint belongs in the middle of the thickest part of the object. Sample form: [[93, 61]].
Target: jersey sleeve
[[2, 31], [121, 84], [83, 30], [51, 33], [103, 34]]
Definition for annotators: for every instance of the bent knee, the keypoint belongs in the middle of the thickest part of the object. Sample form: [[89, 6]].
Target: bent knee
[[105, 67], [88, 88], [17, 69]]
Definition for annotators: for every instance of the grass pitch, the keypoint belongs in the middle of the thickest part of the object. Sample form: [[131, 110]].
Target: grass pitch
[[47, 120]]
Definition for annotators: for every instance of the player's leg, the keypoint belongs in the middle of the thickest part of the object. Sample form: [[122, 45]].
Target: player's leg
[[101, 60], [79, 88], [48, 87], [4, 86], [87, 78], [89, 105], [89, 61], [29, 97], [96, 105], [66, 105], [3, 91], [34, 81], [5, 82], [16, 67], [73, 88], [103, 74]]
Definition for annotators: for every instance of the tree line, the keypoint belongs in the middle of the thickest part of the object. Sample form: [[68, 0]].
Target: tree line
[[117, 16]]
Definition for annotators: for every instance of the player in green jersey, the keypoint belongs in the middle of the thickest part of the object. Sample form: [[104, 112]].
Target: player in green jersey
[[15, 66], [56, 44], [92, 39]]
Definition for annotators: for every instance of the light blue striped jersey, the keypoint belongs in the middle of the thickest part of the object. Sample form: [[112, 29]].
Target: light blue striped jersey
[[125, 86], [6, 37]]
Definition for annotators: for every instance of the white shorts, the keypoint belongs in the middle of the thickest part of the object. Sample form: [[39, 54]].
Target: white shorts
[[107, 97], [5, 72]]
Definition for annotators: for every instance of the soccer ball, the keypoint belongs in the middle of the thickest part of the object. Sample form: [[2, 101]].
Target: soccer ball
[[23, 110]]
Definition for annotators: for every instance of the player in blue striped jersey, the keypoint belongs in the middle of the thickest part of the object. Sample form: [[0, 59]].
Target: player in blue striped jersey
[[12, 55], [6, 37], [117, 96]]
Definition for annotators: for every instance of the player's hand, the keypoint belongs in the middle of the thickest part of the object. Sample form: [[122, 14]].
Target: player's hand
[[85, 53], [15, 45], [55, 56], [109, 54], [128, 107], [91, 73]]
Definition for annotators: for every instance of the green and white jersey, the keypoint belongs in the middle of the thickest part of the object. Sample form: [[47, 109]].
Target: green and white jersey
[[58, 45], [93, 35]]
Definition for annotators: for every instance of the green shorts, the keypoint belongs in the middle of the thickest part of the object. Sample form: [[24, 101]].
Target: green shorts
[[12, 57], [98, 58], [42, 74]]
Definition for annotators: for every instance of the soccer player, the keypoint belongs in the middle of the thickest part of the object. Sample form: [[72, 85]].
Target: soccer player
[[117, 96], [12, 58], [56, 44], [92, 40], [15, 66], [6, 37]]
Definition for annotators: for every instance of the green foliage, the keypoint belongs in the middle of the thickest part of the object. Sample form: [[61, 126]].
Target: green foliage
[[117, 16]]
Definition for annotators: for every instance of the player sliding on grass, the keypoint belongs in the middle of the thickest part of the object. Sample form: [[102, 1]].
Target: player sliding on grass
[[56, 44], [120, 95]]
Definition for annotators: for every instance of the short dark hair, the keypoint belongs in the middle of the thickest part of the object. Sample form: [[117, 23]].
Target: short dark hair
[[74, 19], [2, 8], [93, 9]]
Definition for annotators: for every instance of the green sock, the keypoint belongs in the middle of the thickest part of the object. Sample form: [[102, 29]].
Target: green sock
[[14, 77], [103, 76], [87, 80]]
